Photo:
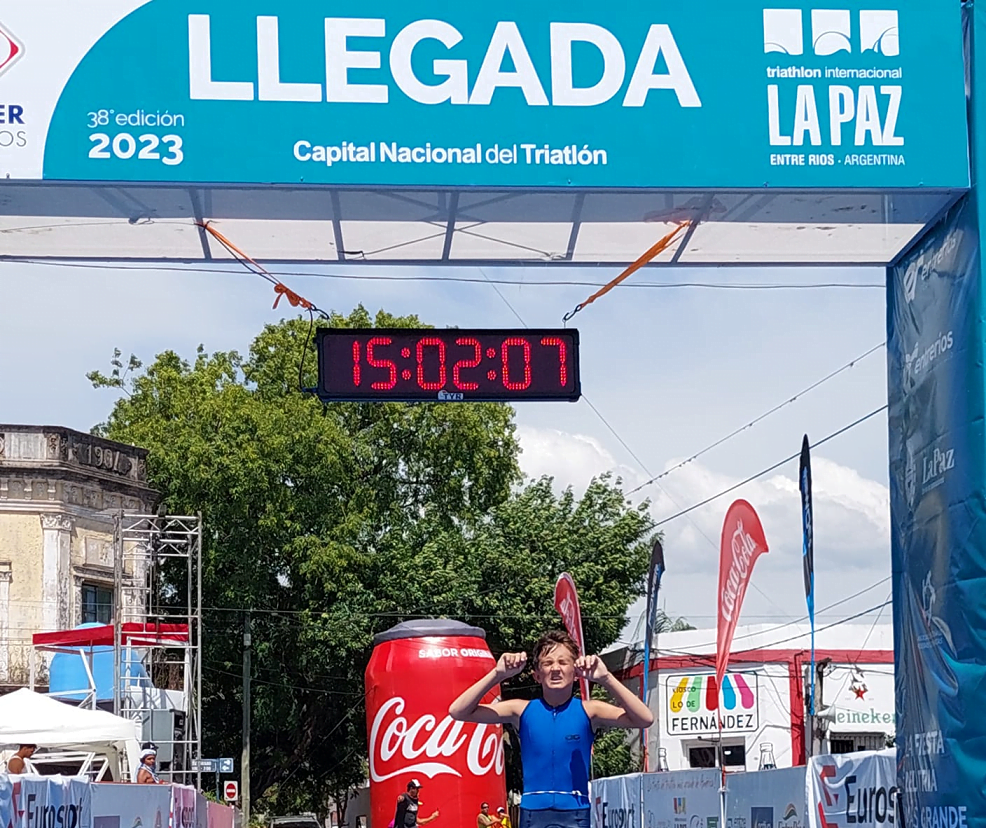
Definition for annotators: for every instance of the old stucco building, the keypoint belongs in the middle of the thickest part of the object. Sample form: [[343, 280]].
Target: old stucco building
[[59, 492]]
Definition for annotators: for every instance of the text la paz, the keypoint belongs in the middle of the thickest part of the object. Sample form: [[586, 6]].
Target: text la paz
[[506, 40], [861, 108]]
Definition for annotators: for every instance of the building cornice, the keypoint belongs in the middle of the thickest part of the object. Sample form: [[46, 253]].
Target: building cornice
[[68, 454]]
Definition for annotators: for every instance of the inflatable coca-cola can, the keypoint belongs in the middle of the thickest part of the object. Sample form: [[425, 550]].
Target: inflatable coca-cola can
[[417, 670]]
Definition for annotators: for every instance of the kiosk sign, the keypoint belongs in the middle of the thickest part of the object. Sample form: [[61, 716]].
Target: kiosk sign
[[693, 701], [516, 94]]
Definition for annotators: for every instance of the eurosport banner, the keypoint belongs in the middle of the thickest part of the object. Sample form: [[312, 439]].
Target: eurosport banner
[[742, 542], [681, 799], [54, 802], [567, 604], [938, 520], [654, 575], [766, 799], [615, 801], [512, 94], [853, 790], [808, 553], [126, 806]]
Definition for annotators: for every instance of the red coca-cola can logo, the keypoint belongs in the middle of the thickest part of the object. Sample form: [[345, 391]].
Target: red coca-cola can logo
[[413, 676]]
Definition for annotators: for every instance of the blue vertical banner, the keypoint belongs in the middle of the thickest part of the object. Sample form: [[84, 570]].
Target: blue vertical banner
[[808, 554], [938, 521], [654, 575]]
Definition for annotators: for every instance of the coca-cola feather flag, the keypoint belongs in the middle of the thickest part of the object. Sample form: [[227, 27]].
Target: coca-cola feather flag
[[742, 543], [567, 604]]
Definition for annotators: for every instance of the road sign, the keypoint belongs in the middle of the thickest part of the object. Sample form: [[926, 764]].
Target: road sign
[[204, 765], [231, 791], [226, 765]]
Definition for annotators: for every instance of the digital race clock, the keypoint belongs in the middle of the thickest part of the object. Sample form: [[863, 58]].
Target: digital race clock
[[452, 365]]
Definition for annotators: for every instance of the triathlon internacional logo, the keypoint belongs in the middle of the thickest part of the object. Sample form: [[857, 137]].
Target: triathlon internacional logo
[[11, 49], [831, 31]]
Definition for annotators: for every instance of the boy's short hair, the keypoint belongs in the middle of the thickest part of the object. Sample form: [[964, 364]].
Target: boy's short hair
[[552, 639]]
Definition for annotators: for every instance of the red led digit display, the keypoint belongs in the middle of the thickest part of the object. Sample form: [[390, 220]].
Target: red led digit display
[[452, 365]]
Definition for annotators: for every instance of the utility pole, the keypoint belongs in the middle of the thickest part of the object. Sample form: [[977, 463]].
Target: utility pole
[[245, 758]]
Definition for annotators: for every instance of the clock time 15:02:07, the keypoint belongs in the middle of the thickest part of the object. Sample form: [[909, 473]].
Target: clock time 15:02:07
[[492, 365]]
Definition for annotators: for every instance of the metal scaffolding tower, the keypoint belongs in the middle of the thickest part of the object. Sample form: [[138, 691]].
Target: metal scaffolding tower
[[158, 675]]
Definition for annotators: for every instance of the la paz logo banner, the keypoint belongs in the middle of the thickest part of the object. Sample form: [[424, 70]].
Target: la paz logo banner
[[742, 543]]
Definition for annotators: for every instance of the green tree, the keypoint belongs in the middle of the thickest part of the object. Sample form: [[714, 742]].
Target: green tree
[[614, 753], [333, 523]]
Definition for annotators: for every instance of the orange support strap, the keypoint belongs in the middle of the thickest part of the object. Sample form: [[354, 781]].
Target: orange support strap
[[280, 288], [651, 254]]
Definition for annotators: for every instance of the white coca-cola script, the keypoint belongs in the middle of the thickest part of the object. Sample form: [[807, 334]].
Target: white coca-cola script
[[744, 548], [567, 610], [396, 745]]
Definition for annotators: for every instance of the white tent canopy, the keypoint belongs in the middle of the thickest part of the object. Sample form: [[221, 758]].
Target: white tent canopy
[[101, 742], [33, 718]]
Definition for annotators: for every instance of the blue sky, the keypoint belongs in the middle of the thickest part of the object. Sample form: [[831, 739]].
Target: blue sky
[[671, 369]]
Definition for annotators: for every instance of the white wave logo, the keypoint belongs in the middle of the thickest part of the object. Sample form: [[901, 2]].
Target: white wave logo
[[831, 32], [391, 734]]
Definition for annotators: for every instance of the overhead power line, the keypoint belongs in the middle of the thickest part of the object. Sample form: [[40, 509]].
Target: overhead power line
[[711, 656], [228, 269], [767, 470], [803, 618], [762, 417]]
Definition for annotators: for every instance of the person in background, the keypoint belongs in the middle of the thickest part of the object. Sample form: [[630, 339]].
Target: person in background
[[504, 818], [407, 808], [147, 774], [16, 764], [483, 818]]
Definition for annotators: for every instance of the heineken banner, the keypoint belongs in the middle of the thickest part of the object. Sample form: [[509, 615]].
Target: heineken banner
[[938, 519], [516, 94]]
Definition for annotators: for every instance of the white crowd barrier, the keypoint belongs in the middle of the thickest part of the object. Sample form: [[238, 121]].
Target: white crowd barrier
[[856, 789], [70, 802], [852, 791]]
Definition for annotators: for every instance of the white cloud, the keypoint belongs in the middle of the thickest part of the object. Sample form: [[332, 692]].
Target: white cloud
[[571, 459], [852, 527]]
